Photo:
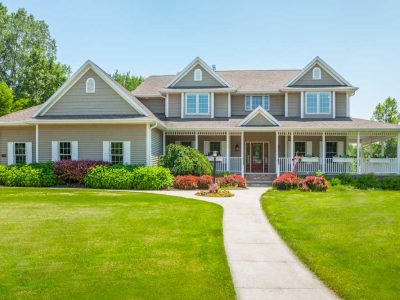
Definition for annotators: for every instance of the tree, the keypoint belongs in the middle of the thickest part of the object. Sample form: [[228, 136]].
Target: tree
[[386, 112], [130, 82], [6, 99], [28, 62]]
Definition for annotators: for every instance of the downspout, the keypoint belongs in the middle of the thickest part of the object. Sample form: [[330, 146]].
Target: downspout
[[149, 150]]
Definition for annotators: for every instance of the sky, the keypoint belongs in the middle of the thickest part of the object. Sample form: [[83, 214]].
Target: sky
[[359, 39]]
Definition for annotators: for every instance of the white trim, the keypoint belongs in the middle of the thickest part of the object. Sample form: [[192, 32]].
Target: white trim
[[209, 106], [242, 151], [190, 66], [88, 65], [37, 143], [265, 98], [333, 104], [183, 97], [325, 66], [264, 113], [228, 150], [347, 105], [318, 104], [148, 145], [276, 153], [286, 104], [198, 75], [164, 142], [10, 153], [89, 89], [323, 151], [167, 105], [317, 88], [229, 105], [315, 75], [301, 105]]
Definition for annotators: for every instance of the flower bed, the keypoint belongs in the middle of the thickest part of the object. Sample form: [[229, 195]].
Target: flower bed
[[190, 182], [289, 181], [220, 193]]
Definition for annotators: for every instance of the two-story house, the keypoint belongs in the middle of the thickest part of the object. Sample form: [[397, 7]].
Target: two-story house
[[257, 120]]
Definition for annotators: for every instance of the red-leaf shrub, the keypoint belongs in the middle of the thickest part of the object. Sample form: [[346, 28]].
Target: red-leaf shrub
[[286, 181], [204, 181], [186, 182], [313, 183], [73, 171], [232, 180]]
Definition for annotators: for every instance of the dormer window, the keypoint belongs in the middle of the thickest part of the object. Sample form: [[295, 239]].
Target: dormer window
[[316, 73], [90, 86], [198, 75]]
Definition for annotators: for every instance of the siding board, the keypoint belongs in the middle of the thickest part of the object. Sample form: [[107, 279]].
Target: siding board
[[326, 79], [188, 80]]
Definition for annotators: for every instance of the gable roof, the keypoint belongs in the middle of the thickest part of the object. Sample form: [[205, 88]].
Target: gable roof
[[262, 112], [189, 67], [89, 65], [325, 66]]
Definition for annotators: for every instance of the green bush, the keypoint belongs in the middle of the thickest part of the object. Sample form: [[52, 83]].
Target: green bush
[[367, 181], [31, 175], [346, 179], [390, 183], [334, 181], [151, 178], [182, 160]]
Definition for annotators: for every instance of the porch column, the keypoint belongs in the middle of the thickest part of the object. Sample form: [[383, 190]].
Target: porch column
[[398, 153], [242, 151], [228, 151], [229, 105], [323, 151], [277, 168], [37, 144], [163, 146], [358, 154], [291, 149], [196, 140]]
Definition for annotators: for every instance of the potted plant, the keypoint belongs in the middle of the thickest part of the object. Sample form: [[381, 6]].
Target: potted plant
[[310, 159], [343, 159]]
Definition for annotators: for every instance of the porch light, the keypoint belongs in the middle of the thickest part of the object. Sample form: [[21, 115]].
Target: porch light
[[237, 147]]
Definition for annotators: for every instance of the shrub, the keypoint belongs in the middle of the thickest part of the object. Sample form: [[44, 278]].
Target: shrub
[[187, 182], [366, 181], [31, 175], [314, 183], [335, 181], [109, 177], [204, 181], [232, 180], [390, 183], [151, 178], [346, 179], [182, 160], [286, 181], [73, 171]]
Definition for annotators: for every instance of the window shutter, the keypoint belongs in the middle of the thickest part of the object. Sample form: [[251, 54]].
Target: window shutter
[[247, 103], [74, 150], [289, 144], [106, 151], [28, 152], [178, 142], [223, 148], [127, 153], [340, 148], [54, 151], [309, 148], [10, 153], [206, 147]]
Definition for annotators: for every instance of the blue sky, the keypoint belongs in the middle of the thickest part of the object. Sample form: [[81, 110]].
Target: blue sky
[[359, 39]]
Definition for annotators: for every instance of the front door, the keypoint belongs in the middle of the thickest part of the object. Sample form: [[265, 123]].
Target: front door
[[256, 157]]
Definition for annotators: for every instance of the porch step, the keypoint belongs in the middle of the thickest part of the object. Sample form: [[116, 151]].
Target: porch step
[[260, 179]]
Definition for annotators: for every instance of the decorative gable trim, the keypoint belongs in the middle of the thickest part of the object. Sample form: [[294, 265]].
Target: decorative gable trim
[[325, 66], [260, 111], [88, 65], [193, 64]]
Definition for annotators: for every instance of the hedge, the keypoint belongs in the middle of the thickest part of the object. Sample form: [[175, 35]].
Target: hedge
[[73, 171]]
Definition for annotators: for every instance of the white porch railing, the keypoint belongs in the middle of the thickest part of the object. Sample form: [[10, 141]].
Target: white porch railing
[[235, 164], [341, 165]]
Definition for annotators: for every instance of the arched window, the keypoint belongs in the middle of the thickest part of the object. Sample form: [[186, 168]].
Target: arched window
[[90, 85], [316, 73], [198, 75]]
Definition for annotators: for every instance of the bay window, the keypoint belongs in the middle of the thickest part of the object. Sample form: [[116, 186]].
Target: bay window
[[197, 104], [318, 103], [252, 102]]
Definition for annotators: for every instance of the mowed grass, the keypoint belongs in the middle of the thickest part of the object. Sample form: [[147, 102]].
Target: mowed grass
[[350, 239], [77, 244]]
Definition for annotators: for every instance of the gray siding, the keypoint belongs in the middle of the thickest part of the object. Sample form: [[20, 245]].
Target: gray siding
[[104, 101], [237, 106], [341, 105], [156, 145], [307, 79], [174, 105], [221, 105], [259, 120], [294, 104], [16, 134], [156, 105], [188, 79], [90, 139], [277, 105]]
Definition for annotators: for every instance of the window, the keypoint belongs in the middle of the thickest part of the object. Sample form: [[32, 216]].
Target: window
[[300, 148], [316, 74], [215, 146], [318, 103], [331, 149], [186, 143], [197, 104], [65, 151], [90, 85], [252, 102], [20, 153], [198, 75], [117, 152]]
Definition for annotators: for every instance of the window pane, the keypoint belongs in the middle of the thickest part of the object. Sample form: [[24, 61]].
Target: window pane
[[19, 152], [324, 99], [300, 148], [117, 153], [311, 103], [256, 102], [331, 149], [186, 144], [203, 103], [65, 150], [191, 103]]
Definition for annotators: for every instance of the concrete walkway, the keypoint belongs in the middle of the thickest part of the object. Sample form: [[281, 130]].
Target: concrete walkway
[[262, 266]]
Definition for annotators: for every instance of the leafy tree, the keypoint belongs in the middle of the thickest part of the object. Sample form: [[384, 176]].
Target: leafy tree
[[386, 112], [6, 99], [130, 82], [28, 62]]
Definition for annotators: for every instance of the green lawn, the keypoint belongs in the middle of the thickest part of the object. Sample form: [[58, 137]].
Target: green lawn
[[350, 239], [77, 244]]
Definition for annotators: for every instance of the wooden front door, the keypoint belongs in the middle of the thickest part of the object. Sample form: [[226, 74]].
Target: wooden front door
[[256, 157]]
